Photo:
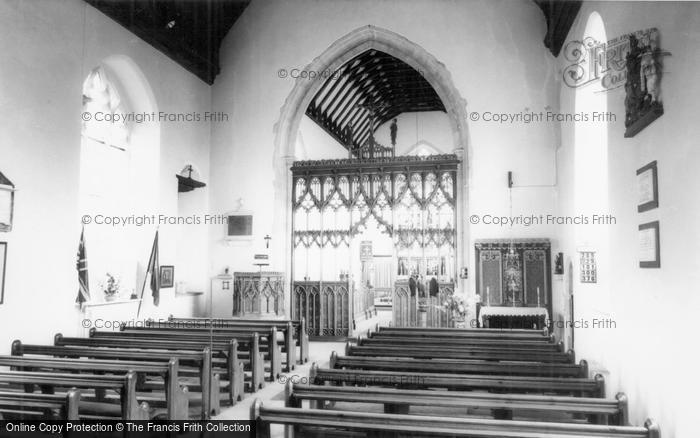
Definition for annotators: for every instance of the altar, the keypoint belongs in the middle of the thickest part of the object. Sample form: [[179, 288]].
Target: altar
[[513, 317], [513, 280]]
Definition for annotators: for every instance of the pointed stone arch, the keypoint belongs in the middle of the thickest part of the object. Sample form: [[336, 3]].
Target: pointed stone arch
[[341, 51]]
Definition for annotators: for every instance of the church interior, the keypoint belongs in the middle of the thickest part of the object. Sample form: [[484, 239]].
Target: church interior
[[373, 218]]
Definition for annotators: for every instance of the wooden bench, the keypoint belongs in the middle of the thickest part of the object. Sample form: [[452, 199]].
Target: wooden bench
[[228, 351], [438, 352], [420, 342], [176, 399], [491, 334], [575, 386], [399, 401], [191, 363], [453, 366], [317, 423], [125, 385], [268, 344], [300, 335], [22, 405]]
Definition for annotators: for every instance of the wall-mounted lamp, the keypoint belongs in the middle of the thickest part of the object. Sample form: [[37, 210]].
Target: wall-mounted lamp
[[7, 203], [187, 183], [510, 179]]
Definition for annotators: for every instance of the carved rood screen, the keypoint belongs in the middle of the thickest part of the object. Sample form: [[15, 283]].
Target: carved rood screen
[[412, 199], [407, 203]]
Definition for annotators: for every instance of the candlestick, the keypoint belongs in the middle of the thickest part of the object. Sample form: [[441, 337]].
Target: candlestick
[[538, 296], [487, 295]]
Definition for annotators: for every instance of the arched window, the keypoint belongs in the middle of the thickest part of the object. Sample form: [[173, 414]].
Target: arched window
[[103, 112], [105, 180]]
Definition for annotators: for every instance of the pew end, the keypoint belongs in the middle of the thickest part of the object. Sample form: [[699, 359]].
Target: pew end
[[214, 395], [290, 345], [653, 428], [623, 406], [572, 355], [57, 338], [600, 381], [16, 348], [289, 400], [303, 341], [333, 360], [275, 355], [584, 368], [72, 404], [347, 348], [313, 373], [263, 430]]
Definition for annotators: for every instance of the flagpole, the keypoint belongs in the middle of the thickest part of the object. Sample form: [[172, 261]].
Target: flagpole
[[145, 277]]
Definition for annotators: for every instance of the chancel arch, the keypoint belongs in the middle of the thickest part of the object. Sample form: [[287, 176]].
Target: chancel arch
[[372, 197]]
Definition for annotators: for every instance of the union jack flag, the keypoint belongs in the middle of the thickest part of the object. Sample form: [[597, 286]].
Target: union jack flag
[[82, 267]]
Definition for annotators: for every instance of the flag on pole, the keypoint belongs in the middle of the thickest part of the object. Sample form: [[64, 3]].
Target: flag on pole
[[154, 270], [82, 267]]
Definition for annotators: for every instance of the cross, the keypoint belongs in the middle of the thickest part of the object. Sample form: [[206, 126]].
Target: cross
[[267, 241]]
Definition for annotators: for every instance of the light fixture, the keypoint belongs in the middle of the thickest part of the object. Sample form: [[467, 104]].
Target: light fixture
[[7, 202], [187, 183]]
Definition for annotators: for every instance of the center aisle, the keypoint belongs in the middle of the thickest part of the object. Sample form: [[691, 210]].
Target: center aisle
[[273, 393]]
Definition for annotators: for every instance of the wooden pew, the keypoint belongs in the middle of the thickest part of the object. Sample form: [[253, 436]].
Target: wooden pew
[[456, 343], [315, 421], [398, 401], [227, 350], [490, 334], [300, 334], [124, 384], [287, 343], [245, 341], [418, 380], [267, 340], [452, 366], [41, 406], [438, 352], [176, 399], [210, 384]]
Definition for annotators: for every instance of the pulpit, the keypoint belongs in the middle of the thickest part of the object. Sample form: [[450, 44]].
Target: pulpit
[[258, 294]]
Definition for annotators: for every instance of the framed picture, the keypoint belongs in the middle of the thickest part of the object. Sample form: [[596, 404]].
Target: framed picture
[[167, 276], [649, 251], [7, 201], [648, 187], [3, 260]]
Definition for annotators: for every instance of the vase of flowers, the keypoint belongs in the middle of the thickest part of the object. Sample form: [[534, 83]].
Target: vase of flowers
[[457, 308], [110, 287]]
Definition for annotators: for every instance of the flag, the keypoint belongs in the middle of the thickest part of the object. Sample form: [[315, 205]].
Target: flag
[[154, 270], [82, 267]]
